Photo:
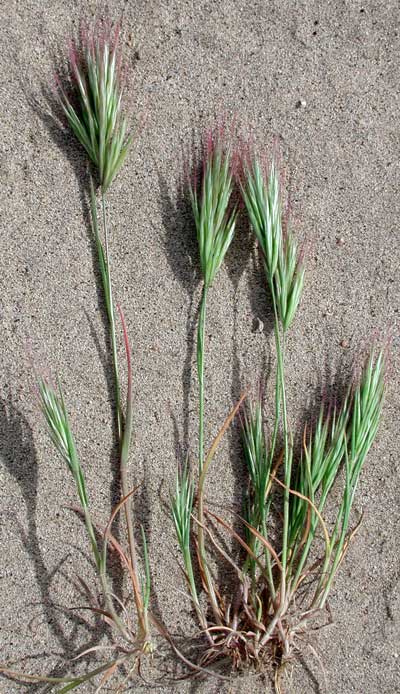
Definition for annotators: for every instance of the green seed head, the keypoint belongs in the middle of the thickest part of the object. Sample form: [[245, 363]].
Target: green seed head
[[283, 264], [55, 414], [94, 109], [182, 505], [288, 280], [263, 206], [215, 223], [366, 409]]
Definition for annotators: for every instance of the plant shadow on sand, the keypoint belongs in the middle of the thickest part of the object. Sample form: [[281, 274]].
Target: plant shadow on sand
[[180, 247], [19, 457]]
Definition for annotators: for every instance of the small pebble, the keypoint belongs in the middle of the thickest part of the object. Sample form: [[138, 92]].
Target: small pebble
[[258, 325], [340, 241], [301, 103], [345, 344]]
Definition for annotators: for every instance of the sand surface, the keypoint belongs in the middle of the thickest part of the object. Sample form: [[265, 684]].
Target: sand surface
[[322, 80]]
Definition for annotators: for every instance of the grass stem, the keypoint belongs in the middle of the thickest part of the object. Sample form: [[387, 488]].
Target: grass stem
[[287, 461], [125, 445], [111, 316], [200, 369], [200, 500]]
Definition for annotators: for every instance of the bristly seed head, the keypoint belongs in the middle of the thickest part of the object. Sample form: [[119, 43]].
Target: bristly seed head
[[283, 263], [94, 111], [215, 222]]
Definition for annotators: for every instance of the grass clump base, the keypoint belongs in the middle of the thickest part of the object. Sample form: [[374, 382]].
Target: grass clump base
[[287, 554]]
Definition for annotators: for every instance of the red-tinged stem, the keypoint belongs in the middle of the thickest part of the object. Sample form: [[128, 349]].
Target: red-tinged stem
[[125, 443]]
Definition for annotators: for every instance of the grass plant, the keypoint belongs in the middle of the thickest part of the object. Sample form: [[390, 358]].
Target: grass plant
[[215, 220], [289, 553], [98, 122], [91, 99]]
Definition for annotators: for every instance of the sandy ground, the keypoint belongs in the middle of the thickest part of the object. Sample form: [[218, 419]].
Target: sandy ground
[[320, 77]]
